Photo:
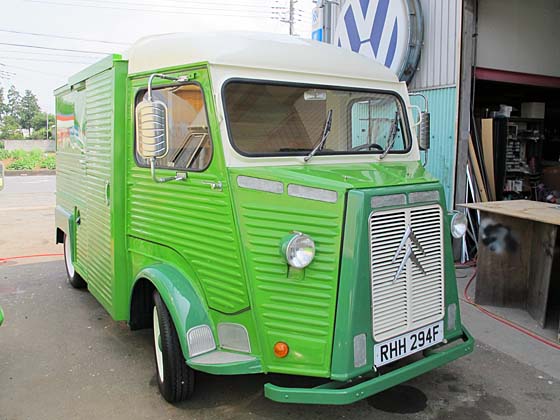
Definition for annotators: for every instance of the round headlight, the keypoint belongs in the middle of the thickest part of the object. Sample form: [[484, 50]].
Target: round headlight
[[458, 225], [299, 250]]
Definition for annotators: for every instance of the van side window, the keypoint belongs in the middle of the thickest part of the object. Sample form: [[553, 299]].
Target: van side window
[[190, 146]]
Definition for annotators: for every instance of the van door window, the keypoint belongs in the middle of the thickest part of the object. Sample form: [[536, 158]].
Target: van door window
[[190, 146]]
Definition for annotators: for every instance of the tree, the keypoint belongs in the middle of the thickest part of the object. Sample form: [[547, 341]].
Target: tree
[[2, 104], [28, 110], [39, 125], [14, 102], [10, 128]]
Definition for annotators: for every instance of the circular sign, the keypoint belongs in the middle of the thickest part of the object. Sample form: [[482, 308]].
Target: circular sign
[[389, 31]]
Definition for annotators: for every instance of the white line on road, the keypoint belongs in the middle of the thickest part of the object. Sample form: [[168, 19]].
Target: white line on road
[[27, 208]]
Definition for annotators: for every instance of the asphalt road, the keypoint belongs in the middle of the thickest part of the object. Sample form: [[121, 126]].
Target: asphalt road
[[62, 357]]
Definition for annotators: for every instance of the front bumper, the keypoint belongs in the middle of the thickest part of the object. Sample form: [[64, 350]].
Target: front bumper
[[340, 393]]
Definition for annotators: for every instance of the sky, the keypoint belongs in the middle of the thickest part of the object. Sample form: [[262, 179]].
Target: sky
[[118, 23]]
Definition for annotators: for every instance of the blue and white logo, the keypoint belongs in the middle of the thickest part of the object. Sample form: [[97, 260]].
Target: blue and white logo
[[375, 28]]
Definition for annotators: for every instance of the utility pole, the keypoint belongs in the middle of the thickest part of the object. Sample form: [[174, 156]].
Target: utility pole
[[291, 19], [47, 124]]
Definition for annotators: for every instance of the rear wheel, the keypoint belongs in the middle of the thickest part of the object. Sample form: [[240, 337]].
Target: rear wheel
[[74, 278], [175, 378]]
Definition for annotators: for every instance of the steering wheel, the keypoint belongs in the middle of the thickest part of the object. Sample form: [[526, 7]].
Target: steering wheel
[[367, 146]]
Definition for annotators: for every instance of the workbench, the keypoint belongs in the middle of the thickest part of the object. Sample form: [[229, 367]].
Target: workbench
[[518, 263]]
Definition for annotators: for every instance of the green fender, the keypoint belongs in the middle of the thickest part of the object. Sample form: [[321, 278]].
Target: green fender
[[182, 301], [1, 316], [65, 222]]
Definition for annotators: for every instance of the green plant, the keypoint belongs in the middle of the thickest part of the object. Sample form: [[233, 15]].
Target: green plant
[[5, 154], [18, 154], [25, 163], [49, 161], [28, 160]]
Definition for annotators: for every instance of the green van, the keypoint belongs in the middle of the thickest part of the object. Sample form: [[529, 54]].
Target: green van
[[259, 201]]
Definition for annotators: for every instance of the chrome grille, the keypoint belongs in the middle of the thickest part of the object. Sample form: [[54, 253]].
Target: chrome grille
[[415, 297]]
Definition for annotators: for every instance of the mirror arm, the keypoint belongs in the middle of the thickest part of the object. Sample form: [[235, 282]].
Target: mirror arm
[[178, 177], [180, 79]]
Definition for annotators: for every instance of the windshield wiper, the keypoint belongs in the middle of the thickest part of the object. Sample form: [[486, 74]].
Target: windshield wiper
[[392, 136], [326, 131]]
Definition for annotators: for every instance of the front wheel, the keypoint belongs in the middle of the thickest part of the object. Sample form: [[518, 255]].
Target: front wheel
[[75, 280], [175, 378]]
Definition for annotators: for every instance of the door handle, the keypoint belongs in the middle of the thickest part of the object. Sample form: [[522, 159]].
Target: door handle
[[214, 185], [107, 193]]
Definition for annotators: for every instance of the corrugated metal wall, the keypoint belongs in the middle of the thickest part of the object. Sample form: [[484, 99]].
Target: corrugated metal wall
[[438, 62], [441, 157]]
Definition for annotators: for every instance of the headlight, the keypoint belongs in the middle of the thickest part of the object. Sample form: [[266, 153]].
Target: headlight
[[458, 225], [299, 250]]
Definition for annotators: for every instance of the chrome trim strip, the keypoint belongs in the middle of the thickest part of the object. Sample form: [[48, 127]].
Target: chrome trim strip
[[312, 193], [422, 196], [388, 200], [260, 184]]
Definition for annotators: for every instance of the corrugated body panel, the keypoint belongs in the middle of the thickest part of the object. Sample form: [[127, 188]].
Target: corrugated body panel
[[439, 58], [70, 162], [198, 223], [296, 307], [441, 157], [96, 222]]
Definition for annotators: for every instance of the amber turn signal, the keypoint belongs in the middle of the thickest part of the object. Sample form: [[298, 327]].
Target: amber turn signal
[[281, 349]]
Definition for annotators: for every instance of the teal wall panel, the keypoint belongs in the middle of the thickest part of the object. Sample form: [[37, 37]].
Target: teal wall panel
[[442, 103]]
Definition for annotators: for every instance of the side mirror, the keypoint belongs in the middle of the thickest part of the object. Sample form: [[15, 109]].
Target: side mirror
[[151, 129], [424, 131], [1, 176], [152, 135]]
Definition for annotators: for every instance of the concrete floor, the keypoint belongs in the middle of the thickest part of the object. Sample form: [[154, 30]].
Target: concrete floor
[[62, 357]]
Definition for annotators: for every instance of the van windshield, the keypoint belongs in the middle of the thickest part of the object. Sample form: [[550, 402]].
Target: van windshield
[[270, 119]]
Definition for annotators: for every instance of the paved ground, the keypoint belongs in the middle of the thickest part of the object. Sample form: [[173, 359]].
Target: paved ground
[[62, 357]]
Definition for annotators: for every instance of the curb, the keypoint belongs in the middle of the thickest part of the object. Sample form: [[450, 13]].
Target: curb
[[31, 173]]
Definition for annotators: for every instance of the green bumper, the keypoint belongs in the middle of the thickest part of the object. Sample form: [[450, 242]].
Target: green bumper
[[334, 393]]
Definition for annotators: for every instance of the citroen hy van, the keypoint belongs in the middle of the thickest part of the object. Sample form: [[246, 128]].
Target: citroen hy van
[[259, 201]]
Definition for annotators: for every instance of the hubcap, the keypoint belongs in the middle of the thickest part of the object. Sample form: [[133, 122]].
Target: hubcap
[[68, 259], [157, 346]]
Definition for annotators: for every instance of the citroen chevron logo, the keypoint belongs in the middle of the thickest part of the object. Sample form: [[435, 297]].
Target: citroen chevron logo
[[407, 240]]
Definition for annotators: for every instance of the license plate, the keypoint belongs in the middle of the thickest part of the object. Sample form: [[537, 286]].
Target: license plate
[[407, 344]]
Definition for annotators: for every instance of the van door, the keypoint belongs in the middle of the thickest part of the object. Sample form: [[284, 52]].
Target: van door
[[192, 217], [96, 217]]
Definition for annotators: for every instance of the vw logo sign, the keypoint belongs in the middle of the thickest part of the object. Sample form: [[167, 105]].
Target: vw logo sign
[[389, 31]]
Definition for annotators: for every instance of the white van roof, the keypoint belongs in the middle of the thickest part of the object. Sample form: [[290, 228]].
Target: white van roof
[[256, 50]]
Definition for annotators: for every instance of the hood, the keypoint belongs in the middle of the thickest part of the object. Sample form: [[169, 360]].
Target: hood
[[342, 177]]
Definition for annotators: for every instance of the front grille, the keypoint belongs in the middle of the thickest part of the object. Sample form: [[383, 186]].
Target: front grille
[[414, 298]]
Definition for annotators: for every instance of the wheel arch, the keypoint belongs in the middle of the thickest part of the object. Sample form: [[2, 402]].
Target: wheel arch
[[64, 222], [183, 303]]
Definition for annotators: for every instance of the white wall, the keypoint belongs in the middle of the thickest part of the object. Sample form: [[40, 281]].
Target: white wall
[[519, 35]]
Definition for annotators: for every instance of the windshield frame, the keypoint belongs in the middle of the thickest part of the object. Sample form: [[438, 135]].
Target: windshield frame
[[407, 133]]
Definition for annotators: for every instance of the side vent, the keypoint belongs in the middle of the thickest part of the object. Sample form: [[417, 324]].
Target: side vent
[[234, 337], [200, 340]]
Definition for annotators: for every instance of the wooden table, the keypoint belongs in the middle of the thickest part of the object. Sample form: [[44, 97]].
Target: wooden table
[[519, 257]]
